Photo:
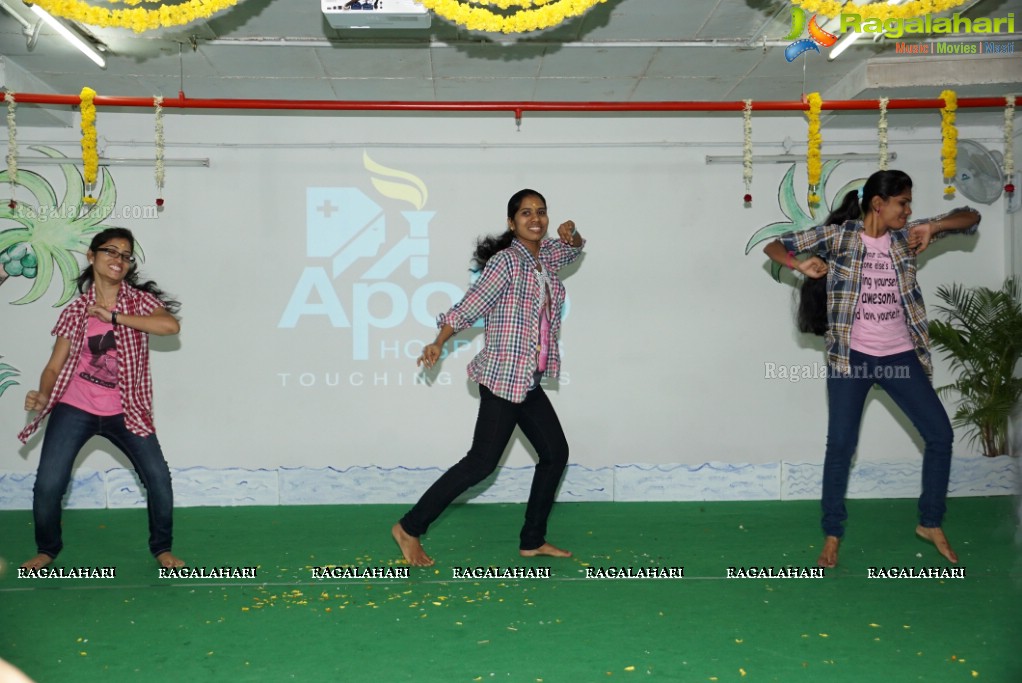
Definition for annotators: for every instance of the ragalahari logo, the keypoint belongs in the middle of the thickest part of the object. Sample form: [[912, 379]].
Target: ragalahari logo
[[817, 36]]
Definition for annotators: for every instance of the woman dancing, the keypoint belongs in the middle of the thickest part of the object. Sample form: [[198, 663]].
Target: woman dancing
[[519, 296], [871, 309], [97, 382]]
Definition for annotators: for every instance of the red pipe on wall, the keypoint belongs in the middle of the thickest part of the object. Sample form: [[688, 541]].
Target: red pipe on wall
[[182, 102]]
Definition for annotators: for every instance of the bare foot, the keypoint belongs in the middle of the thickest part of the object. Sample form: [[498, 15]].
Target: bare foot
[[545, 549], [11, 674], [828, 556], [169, 561], [410, 546], [38, 562], [935, 535]]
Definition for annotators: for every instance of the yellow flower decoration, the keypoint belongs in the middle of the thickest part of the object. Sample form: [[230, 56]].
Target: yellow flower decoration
[[949, 140], [138, 19], [508, 4], [90, 157], [523, 16], [813, 166], [880, 11]]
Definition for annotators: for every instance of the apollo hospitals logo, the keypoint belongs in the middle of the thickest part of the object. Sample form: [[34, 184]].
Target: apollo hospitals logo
[[357, 289], [817, 36]]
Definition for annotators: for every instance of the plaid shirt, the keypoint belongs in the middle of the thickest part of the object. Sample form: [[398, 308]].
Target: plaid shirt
[[507, 297], [841, 247], [134, 379]]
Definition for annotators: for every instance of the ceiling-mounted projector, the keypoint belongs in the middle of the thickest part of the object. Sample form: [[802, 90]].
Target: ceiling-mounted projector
[[349, 14]]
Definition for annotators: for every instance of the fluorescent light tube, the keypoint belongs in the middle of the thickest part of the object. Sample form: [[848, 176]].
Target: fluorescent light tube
[[70, 37]]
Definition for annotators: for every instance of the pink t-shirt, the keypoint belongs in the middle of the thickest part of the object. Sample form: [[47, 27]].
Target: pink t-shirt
[[94, 386], [544, 339], [543, 348], [879, 328]]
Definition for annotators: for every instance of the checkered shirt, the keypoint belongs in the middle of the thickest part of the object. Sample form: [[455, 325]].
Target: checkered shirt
[[841, 247], [507, 297], [134, 379]]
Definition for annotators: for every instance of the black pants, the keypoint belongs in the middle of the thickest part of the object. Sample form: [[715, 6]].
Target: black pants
[[494, 425]]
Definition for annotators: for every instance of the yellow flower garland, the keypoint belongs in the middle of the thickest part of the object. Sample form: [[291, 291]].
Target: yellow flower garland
[[138, 19], [949, 140], [813, 166], [879, 10], [90, 157], [509, 4], [543, 14]]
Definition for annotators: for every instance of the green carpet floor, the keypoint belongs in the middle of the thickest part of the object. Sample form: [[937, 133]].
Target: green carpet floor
[[285, 626]]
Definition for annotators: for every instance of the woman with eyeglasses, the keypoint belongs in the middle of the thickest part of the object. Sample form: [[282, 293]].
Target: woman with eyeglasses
[[519, 297], [97, 383]]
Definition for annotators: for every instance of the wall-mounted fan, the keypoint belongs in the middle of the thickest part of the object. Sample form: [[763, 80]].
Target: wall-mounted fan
[[979, 175]]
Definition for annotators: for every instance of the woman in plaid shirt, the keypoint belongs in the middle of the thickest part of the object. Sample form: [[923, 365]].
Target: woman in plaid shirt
[[519, 297], [97, 382], [876, 332]]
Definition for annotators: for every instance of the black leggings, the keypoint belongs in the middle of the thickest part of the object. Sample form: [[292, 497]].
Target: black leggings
[[497, 420]]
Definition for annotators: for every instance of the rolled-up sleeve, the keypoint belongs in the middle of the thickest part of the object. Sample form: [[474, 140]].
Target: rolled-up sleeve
[[815, 240], [481, 296]]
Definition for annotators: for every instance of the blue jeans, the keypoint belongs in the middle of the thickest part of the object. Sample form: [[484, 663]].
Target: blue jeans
[[494, 425], [902, 376], [66, 432]]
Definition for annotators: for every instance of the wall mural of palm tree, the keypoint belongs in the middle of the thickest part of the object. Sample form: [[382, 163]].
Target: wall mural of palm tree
[[7, 376], [47, 233], [799, 218]]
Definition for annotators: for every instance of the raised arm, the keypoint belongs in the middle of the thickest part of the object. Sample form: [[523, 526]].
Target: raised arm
[[570, 235], [920, 234], [566, 249]]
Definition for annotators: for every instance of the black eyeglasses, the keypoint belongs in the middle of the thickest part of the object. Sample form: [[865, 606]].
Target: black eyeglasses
[[113, 253]]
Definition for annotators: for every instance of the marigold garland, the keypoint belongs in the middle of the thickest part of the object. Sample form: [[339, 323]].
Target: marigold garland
[[530, 15], [138, 19], [949, 141], [159, 172], [1009, 133], [90, 157], [813, 165], [880, 10], [508, 4], [12, 144], [747, 151], [882, 133]]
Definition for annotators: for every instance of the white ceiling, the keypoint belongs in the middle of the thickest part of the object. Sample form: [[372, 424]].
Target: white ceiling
[[621, 51]]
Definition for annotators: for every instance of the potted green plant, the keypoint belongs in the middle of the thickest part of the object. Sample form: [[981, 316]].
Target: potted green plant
[[980, 334]]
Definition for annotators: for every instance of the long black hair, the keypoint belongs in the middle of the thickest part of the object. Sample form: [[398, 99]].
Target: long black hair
[[487, 246], [812, 305], [132, 278]]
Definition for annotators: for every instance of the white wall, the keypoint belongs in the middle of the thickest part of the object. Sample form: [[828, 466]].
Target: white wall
[[670, 323]]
